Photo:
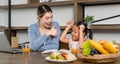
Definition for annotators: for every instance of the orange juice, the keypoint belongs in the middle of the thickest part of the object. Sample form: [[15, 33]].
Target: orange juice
[[74, 51], [26, 50]]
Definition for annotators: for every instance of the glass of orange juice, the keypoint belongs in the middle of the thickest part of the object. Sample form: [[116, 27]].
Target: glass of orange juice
[[74, 48], [26, 49]]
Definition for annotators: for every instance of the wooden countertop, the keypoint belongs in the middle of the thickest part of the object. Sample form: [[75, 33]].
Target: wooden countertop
[[33, 58]]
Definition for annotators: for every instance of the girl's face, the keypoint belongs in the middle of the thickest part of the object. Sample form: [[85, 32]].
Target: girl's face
[[46, 20], [75, 33]]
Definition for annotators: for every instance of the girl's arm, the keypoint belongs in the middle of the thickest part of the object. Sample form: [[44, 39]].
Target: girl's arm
[[63, 35], [81, 35]]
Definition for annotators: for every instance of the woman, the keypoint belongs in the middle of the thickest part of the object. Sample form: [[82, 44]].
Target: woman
[[44, 34]]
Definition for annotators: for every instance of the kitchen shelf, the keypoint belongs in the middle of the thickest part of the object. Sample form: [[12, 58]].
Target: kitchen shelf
[[63, 27], [107, 27], [64, 3], [25, 28], [34, 5], [17, 28], [14, 29], [98, 2]]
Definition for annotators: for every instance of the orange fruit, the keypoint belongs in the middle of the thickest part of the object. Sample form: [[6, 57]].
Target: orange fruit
[[102, 42]]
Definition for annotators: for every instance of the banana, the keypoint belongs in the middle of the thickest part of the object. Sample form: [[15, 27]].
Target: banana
[[97, 46]]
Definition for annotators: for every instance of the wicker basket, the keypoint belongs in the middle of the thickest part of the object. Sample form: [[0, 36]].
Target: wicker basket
[[99, 58]]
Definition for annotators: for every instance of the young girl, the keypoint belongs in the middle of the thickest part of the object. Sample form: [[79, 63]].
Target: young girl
[[80, 33]]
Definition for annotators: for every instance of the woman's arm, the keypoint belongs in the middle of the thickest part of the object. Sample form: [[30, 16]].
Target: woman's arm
[[63, 35], [55, 39], [36, 41], [54, 44]]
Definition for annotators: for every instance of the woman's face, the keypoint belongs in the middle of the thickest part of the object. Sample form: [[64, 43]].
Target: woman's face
[[75, 33], [46, 20]]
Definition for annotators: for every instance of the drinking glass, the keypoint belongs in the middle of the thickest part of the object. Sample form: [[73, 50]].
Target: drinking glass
[[74, 48], [26, 49]]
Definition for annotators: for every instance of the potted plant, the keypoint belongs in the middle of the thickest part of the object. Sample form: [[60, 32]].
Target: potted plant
[[88, 19]]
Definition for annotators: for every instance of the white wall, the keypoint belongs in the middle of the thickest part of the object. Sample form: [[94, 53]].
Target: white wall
[[108, 35], [13, 2], [104, 11], [3, 17], [3, 2], [25, 17], [63, 14], [3, 13]]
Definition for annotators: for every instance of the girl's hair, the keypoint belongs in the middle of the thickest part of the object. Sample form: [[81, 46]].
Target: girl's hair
[[42, 9], [88, 32]]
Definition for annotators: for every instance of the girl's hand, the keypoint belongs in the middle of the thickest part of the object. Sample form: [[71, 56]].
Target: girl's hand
[[88, 27], [82, 27], [69, 24]]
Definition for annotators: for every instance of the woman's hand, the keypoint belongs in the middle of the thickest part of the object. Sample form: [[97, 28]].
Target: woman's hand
[[52, 32]]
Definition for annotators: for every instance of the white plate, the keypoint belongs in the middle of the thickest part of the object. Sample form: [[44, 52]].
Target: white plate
[[64, 51], [48, 59], [48, 51]]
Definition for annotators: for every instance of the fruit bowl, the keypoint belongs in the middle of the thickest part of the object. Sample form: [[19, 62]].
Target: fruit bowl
[[99, 58]]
